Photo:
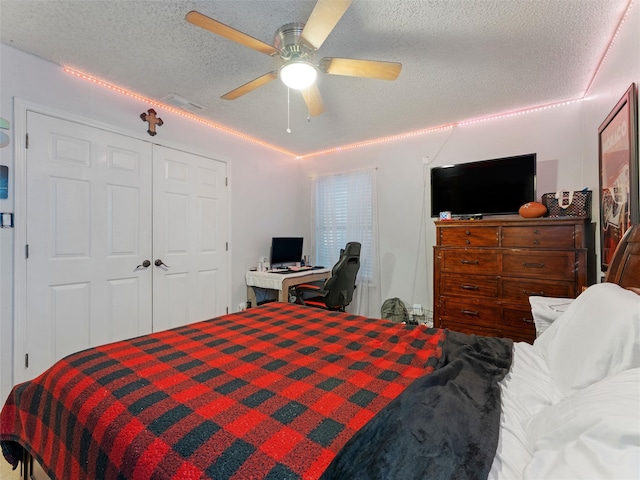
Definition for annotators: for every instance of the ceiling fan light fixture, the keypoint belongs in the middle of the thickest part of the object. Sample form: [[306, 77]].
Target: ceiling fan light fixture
[[298, 74]]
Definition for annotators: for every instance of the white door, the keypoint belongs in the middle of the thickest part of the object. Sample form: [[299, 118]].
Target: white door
[[100, 205], [189, 238], [88, 230]]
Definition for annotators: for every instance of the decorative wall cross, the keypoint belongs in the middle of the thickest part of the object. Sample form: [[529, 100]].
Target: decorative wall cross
[[150, 117]]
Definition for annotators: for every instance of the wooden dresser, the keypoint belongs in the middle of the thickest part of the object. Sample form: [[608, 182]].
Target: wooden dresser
[[485, 271]]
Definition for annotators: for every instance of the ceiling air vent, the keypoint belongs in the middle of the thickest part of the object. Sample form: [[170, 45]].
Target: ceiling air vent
[[179, 102]]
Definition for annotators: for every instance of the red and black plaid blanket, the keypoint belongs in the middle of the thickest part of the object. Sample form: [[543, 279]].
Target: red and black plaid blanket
[[273, 392]]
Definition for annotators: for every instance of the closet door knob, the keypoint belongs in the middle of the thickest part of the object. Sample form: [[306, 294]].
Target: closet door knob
[[145, 264], [159, 263]]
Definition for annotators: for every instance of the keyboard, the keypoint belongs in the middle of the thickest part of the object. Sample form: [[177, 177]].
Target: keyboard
[[295, 269]]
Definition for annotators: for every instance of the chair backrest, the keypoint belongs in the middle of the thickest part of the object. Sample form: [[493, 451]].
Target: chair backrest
[[342, 282]]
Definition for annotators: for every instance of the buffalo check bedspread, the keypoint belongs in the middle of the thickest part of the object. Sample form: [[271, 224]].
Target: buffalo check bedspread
[[272, 392]]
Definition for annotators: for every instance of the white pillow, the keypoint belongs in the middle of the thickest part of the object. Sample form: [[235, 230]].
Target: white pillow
[[598, 335], [594, 433]]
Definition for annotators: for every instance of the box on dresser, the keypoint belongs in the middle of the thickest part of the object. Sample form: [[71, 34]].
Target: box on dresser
[[486, 270]]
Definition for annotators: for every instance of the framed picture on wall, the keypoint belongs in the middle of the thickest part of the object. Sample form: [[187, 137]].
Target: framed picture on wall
[[618, 162]]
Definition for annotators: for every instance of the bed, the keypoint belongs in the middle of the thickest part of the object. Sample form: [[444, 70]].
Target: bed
[[287, 391]]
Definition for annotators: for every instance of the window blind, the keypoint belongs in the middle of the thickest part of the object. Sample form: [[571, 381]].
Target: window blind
[[344, 213]]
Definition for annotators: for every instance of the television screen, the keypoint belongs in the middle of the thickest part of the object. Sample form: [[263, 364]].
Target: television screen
[[285, 250], [491, 187]]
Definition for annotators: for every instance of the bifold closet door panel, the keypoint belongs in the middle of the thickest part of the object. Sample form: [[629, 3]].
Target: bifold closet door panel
[[190, 238], [88, 222]]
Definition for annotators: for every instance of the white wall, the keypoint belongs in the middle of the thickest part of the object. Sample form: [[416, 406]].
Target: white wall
[[620, 68], [257, 213], [407, 232], [564, 138]]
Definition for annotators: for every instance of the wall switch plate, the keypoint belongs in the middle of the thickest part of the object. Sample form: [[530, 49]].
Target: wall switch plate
[[6, 220]]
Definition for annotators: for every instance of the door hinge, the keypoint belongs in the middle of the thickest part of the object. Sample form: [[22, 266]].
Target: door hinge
[[26, 140], [26, 360], [226, 246], [226, 181], [227, 310], [26, 251]]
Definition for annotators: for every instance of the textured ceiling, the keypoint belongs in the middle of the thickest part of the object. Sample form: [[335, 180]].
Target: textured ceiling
[[461, 59]]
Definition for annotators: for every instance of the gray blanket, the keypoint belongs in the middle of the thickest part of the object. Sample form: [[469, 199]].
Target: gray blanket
[[445, 425]]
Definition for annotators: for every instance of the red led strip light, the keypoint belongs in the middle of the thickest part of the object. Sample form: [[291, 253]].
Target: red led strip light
[[366, 143]]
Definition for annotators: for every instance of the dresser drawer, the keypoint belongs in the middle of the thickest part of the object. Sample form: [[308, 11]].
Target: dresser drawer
[[470, 261], [519, 290], [469, 237], [561, 236], [523, 335], [518, 318], [469, 311], [470, 329], [470, 285], [549, 265], [517, 324]]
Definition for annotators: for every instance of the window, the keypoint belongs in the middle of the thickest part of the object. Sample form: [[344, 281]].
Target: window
[[344, 212]]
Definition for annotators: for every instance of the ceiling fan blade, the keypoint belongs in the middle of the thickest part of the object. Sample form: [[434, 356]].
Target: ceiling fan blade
[[313, 99], [249, 86], [352, 67], [226, 31], [324, 17]]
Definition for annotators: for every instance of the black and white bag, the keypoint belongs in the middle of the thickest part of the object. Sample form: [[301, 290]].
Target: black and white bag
[[568, 204]]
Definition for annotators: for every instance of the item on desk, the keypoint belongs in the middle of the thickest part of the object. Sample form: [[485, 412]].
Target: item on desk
[[445, 215], [260, 267], [297, 268], [307, 260]]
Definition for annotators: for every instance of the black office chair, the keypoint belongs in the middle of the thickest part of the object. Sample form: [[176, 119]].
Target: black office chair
[[337, 291]]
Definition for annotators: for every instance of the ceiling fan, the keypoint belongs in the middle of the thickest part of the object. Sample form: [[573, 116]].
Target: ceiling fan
[[295, 44]]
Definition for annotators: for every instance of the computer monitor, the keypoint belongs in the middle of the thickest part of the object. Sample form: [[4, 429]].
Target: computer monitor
[[285, 251]]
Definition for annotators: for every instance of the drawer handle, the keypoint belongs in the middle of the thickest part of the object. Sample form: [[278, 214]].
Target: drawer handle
[[536, 294], [469, 312], [468, 242], [469, 287], [469, 262], [536, 242], [536, 231], [467, 232], [527, 320], [533, 265]]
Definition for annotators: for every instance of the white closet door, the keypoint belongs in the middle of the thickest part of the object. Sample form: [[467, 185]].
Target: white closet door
[[88, 228], [189, 238]]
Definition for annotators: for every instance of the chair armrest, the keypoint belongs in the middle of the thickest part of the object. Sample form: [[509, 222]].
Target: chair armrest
[[308, 286], [314, 291]]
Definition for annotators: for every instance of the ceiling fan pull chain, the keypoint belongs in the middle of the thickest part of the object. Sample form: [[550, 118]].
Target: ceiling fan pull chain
[[288, 110]]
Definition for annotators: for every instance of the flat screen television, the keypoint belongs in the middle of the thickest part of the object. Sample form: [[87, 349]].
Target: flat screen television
[[498, 186], [285, 251]]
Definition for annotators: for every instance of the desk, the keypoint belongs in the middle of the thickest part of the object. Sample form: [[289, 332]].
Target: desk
[[282, 281]]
